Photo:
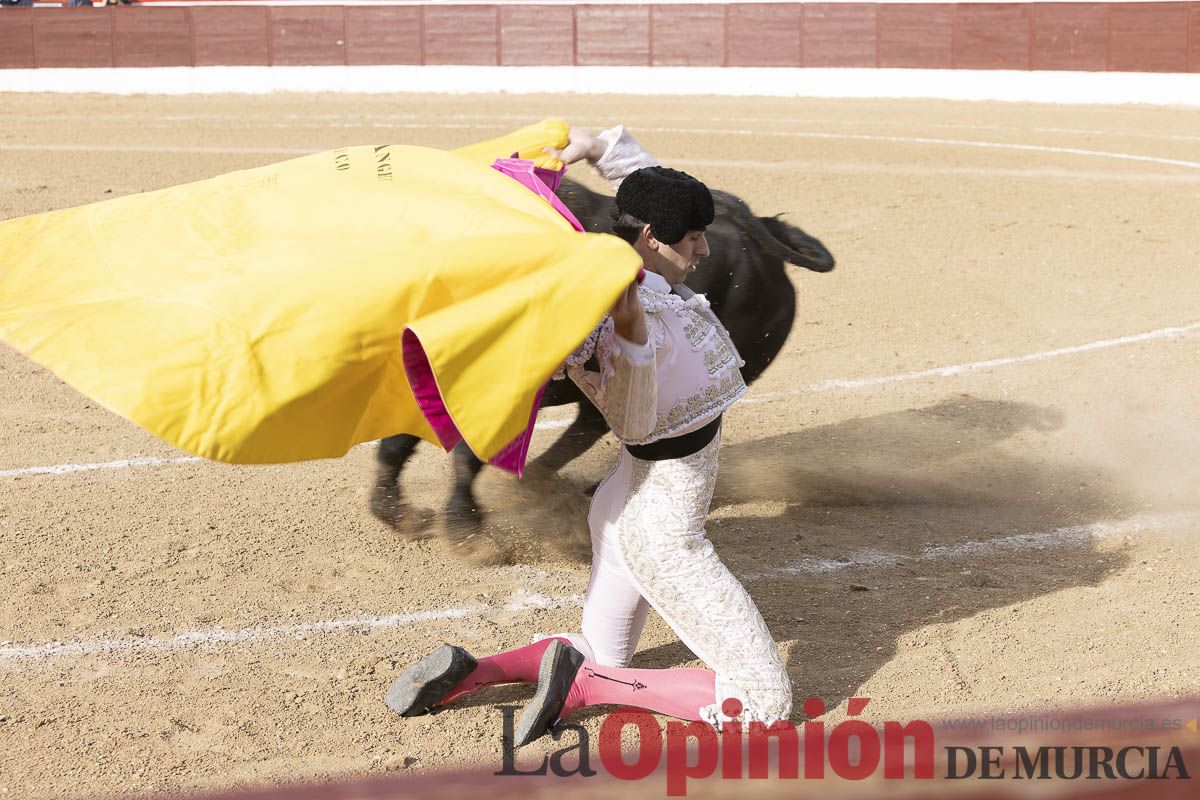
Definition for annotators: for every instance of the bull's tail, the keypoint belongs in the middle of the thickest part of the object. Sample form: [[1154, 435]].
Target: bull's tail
[[779, 238]]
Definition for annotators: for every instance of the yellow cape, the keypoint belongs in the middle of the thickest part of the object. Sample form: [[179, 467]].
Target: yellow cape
[[257, 317]]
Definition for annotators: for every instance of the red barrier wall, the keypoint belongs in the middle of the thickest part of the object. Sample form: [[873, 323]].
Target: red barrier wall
[[1138, 37], [16, 38], [228, 36]]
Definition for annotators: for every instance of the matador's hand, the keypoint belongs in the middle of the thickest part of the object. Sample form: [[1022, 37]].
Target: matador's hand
[[580, 144], [629, 318]]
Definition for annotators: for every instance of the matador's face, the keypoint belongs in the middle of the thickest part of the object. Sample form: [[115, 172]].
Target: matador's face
[[676, 261]]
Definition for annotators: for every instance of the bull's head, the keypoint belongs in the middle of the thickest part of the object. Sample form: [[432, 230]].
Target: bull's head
[[781, 239]]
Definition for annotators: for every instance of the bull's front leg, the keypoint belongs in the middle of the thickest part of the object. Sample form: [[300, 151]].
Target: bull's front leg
[[463, 526], [387, 502], [462, 507]]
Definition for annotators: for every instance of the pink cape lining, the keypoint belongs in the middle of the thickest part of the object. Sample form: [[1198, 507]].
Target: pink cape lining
[[421, 378]]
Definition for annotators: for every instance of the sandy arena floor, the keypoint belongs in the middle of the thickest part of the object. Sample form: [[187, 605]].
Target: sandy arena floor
[[1014, 534]]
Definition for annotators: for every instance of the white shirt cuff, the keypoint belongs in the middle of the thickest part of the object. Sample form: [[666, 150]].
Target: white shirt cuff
[[637, 354], [622, 156]]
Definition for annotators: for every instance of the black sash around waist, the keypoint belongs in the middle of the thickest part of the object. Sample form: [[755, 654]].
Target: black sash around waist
[[676, 446]]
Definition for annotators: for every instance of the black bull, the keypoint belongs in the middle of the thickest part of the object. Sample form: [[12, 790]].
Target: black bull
[[744, 279]]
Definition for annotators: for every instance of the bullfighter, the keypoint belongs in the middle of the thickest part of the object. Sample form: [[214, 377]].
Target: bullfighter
[[662, 370]]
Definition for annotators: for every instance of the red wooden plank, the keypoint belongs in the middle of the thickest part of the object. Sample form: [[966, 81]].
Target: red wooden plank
[[1194, 39], [612, 35], [537, 35], [422, 21], [1072, 36], [688, 35], [461, 35], [383, 35], [152, 37], [73, 37], [191, 37], [839, 35], [230, 36], [916, 36], [307, 35], [1148, 37], [765, 35], [16, 38], [725, 44], [991, 36], [270, 35]]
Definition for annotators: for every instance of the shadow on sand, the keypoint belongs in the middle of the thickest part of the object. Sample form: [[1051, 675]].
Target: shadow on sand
[[852, 534]]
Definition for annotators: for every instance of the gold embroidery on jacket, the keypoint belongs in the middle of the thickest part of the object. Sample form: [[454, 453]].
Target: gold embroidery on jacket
[[718, 396], [697, 330], [718, 357]]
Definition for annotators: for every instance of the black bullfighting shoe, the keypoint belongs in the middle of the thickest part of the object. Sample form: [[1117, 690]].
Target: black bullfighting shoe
[[429, 680], [559, 664]]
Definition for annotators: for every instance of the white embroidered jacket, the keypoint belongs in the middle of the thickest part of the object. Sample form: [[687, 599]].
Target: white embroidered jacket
[[685, 375]]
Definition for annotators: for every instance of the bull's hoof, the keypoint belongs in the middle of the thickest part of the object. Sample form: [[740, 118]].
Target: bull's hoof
[[462, 518], [409, 521], [384, 501], [464, 532], [414, 522]]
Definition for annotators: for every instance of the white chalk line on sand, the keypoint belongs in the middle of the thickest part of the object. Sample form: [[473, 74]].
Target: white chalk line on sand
[[126, 463], [764, 397], [1066, 536], [961, 369], [161, 461], [386, 120], [525, 600], [864, 137], [868, 137], [201, 149], [522, 600], [811, 166]]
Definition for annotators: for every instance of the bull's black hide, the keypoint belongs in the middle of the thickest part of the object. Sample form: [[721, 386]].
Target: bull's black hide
[[745, 279]]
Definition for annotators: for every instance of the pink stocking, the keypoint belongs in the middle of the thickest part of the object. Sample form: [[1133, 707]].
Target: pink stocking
[[676, 692], [512, 666]]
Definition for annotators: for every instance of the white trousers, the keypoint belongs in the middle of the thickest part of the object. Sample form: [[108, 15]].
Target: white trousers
[[649, 549]]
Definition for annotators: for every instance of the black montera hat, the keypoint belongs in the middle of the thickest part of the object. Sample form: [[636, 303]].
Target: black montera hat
[[672, 202]]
